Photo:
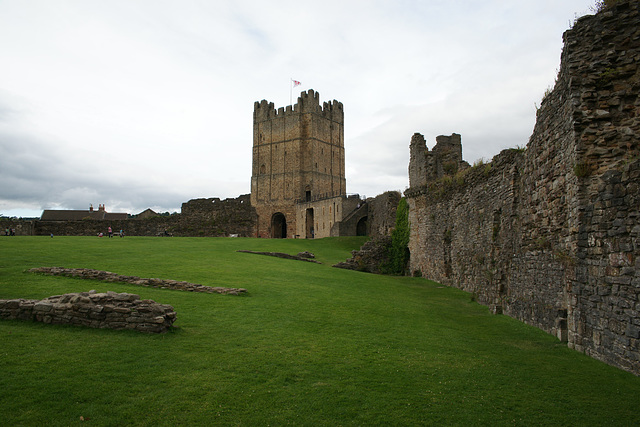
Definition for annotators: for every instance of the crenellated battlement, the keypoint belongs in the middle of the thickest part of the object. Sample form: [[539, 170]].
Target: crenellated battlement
[[308, 102], [298, 154]]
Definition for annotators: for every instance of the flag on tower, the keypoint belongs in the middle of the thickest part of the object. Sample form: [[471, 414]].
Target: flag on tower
[[293, 84]]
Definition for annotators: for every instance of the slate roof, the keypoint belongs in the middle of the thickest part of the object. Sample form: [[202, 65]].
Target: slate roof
[[147, 213]]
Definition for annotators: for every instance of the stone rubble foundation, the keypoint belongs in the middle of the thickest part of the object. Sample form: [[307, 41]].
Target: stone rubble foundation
[[86, 273], [302, 256], [108, 310]]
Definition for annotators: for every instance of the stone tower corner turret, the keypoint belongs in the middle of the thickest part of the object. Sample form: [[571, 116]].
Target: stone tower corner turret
[[418, 161]]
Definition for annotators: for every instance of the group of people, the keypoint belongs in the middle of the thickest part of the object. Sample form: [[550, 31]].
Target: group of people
[[10, 232], [110, 233]]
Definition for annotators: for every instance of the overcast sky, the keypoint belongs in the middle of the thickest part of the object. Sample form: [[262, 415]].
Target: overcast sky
[[141, 104]]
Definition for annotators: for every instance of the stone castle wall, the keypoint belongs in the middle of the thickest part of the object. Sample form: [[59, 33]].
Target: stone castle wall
[[551, 235], [20, 227], [199, 218], [215, 217], [382, 213]]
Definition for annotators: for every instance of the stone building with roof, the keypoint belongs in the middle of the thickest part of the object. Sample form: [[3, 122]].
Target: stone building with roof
[[78, 215]]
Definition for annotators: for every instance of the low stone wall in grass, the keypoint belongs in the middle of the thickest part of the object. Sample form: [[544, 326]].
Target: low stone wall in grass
[[108, 310], [107, 276], [302, 256]]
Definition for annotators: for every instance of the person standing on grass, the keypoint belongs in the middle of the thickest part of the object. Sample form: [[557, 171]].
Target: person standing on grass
[[110, 232]]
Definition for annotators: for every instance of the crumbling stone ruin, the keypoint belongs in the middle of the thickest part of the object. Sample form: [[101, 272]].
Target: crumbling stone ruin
[[215, 217], [107, 276], [444, 159], [374, 254], [199, 218], [382, 213], [550, 234], [108, 310], [302, 256], [370, 258]]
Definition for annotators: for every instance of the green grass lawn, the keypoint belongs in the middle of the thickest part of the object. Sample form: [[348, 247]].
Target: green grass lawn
[[309, 345]]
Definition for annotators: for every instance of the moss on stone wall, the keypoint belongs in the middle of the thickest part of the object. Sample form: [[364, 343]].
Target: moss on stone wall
[[399, 249]]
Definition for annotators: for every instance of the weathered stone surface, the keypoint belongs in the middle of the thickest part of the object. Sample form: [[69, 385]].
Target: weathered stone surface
[[370, 257], [305, 254], [126, 311], [553, 228], [382, 213], [87, 273], [298, 156], [198, 218]]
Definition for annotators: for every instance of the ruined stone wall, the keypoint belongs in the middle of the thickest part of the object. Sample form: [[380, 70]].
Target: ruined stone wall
[[215, 217], [108, 310], [107, 276], [370, 258], [382, 213], [199, 218], [602, 57], [445, 159], [22, 227], [551, 234], [462, 228]]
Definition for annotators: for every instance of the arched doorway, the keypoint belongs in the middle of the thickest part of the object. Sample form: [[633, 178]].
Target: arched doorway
[[309, 231], [361, 227], [278, 226]]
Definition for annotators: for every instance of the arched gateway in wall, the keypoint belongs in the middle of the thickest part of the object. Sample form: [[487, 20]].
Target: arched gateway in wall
[[361, 227], [278, 226]]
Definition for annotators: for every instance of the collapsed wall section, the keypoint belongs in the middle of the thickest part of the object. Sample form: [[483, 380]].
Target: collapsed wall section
[[108, 310], [382, 213]]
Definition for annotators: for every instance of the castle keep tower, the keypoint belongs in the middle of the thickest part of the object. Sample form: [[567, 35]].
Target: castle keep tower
[[298, 158]]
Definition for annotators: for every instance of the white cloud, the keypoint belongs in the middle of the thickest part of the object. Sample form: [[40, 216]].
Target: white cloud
[[145, 103]]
